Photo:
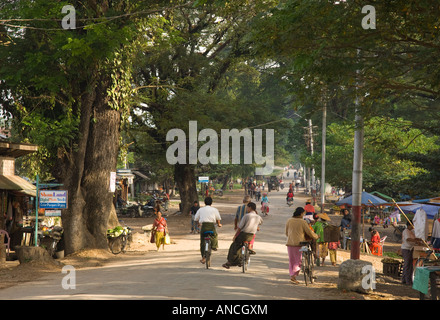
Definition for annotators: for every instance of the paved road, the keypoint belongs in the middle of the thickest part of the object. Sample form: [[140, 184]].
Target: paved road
[[176, 273]]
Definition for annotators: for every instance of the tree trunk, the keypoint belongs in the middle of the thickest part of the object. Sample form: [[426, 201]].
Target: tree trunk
[[184, 176], [86, 173], [225, 181]]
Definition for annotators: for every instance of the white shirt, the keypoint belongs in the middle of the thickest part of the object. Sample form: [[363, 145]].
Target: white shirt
[[407, 234], [207, 214], [250, 222]]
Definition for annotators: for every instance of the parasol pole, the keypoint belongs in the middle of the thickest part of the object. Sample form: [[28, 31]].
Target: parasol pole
[[426, 244]]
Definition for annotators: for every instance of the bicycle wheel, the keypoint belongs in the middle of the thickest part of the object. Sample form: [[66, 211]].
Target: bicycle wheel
[[207, 253], [123, 243], [305, 266], [116, 245], [311, 268], [244, 257]]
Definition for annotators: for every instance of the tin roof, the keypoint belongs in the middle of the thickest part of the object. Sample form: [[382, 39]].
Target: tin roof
[[15, 150], [17, 184]]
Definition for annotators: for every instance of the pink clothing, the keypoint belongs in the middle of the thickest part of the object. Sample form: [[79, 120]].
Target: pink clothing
[[251, 243], [295, 258], [160, 225]]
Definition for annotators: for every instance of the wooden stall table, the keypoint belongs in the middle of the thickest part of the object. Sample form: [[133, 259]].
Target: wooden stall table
[[424, 277]]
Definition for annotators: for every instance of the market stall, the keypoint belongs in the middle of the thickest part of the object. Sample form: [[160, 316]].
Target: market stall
[[371, 206], [16, 196]]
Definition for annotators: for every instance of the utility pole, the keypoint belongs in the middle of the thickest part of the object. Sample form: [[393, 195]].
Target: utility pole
[[324, 133], [357, 181], [309, 141], [311, 152]]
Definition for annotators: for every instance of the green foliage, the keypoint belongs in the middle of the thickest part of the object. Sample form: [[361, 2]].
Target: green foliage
[[387, 142]]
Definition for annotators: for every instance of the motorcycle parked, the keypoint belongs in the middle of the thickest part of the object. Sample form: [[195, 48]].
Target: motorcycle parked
[[51, 238]]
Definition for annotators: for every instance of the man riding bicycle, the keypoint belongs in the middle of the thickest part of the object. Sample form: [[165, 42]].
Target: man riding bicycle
[[207, 217], [249, 225]]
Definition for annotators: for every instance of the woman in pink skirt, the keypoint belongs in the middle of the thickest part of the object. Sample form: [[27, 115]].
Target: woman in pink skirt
[[297, 231]]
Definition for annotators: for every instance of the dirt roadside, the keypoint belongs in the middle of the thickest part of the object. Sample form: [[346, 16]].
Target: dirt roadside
[[387, 288]]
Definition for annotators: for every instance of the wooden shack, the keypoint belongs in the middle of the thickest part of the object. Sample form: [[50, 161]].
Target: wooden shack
[[15, 195]]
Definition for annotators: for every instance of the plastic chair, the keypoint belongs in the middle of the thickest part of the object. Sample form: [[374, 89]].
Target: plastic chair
[[8, 244], [377, 249], [382, 241]]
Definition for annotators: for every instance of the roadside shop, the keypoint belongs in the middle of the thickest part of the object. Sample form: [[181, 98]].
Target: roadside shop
[[16, 197]]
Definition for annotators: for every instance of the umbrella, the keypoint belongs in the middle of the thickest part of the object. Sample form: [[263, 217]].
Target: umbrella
[[366, 198]]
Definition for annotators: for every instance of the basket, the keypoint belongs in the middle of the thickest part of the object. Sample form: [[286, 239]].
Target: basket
[[391, 269]]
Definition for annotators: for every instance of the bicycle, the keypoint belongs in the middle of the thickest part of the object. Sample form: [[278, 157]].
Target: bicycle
[[265, 208], [245, 256], [307, 264], [208, 249], [118, 238]]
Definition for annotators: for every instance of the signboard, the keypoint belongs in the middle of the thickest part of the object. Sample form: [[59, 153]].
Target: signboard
[[53, 199], [52, 213], [204, 179]]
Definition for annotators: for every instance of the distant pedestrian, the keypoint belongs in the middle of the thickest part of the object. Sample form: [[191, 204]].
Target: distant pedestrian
[[193, 211], [345, 227], [160, 228], [332, 250], [309, 209], [321, 244]]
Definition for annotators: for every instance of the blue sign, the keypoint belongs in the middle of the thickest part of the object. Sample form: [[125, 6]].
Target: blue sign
[[53, 199]]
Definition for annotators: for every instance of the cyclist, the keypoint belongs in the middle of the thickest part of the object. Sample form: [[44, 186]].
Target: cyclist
[[289, 196], [249, 225], [264, 204], [297, 231], [207, 217]]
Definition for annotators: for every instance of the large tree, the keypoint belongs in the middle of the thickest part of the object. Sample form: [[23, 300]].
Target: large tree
[[327, 55], [67, 90], [206, 73]]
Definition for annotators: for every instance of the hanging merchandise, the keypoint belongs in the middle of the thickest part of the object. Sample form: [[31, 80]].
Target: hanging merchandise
[[395, 217]]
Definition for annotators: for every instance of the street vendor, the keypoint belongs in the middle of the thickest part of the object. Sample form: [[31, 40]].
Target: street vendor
[[375, 239], [409, 240]]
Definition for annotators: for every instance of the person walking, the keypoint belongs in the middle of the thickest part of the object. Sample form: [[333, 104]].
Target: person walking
[[321, 245], [160, 228], [345, 227], [246, 230], [297, 231], [193, 211], [208, 216]]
